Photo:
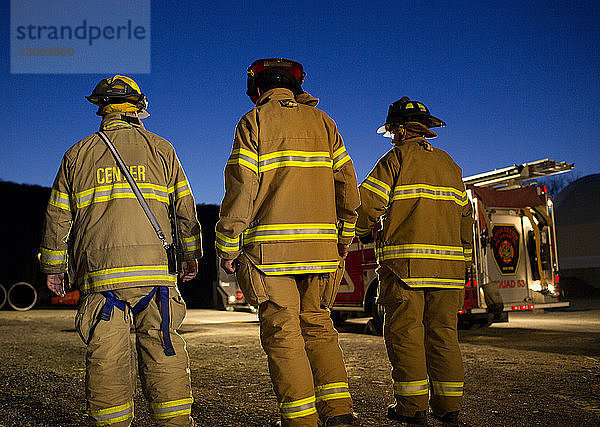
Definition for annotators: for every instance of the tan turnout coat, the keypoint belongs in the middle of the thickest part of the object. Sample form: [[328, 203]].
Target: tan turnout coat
[[94, 224], [290, 188], [427, 219]]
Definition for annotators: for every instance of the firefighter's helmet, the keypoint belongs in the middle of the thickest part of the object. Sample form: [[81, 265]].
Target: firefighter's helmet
[[118, 90], [272, 72], [405, 111]]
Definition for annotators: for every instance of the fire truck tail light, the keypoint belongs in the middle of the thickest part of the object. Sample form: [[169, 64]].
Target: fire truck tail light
[[462, 311], [468, 284], [239, 296], [556, 278], [231, 299], [530, 307]]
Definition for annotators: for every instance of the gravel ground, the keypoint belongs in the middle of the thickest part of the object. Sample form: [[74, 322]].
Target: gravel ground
[[539, 369]]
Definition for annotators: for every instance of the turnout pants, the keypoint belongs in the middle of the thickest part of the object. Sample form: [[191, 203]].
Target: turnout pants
[[305, 360], [110, 363], [420, 332]]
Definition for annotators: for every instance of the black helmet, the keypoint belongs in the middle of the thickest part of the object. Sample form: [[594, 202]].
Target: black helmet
[[117, 90], [274, 71], [404, 110]]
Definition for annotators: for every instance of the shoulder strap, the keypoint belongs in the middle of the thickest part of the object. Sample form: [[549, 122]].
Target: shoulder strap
[[135, 189]]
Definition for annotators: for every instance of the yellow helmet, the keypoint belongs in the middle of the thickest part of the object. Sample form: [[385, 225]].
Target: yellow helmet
[[118, 90]]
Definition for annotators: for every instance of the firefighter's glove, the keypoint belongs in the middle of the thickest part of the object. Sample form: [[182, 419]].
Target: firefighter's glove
[[366, 239], [189, 270]]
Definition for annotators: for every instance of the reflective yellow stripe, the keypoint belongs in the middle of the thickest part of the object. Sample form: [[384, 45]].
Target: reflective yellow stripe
[[181, 189], [298, 408], [245, 158], [348, 229], [52, 257], [288, 232], [362, 231], [105, 193], [134, 275], [298, 268], [411, 388], [448, 388], [60, 200], [418, 250], [340, 157], [377, 186], [332, 391], [112, 415], [285, 158], [173, 408], [413, 191], [191, 243], [227, 244], [434, 282]]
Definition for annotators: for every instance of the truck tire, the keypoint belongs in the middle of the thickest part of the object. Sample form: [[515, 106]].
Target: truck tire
[[3, 296], [22, 296]]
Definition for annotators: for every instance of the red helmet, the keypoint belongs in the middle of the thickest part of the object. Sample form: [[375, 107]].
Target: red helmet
[[274, 71]]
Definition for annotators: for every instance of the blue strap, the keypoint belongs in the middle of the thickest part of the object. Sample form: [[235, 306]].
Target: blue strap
[[165, 320], [143, 303], [163, 291], [111, 302]]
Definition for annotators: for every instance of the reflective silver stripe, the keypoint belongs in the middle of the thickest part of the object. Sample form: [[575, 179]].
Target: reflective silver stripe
[[378, 187], [226, 244], [411, 388], [417, 250], [434, 282], [362, 231], [448, 388], [347, 229], [137, 274], [245, 158], [52, 257], [332, 391], [191, 243], [412, 191], [60, 200], [298, 408], [292, 158], [120, 191], [112, 415], [174, 408], [182, 188], [340, 157], [282, 232], [298, 268]]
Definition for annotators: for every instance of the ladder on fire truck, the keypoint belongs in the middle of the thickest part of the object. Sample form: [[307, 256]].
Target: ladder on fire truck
[[513, 176]]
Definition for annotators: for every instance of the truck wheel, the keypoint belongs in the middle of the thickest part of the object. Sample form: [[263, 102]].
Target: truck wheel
[[2, 296], [22, 296]]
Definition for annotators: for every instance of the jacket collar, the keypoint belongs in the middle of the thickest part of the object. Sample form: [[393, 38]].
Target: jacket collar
[[283, 93], [418, 139], [114, 121]]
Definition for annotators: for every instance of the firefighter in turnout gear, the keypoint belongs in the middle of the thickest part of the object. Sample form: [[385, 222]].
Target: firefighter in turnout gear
[[423, 249], [285, 224], [96, 229]]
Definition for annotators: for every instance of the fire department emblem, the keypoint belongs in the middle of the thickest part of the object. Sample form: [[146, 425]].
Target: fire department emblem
[[505, 246]]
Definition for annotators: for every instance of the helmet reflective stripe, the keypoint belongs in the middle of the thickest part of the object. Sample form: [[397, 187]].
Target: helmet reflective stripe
[[127, 80]]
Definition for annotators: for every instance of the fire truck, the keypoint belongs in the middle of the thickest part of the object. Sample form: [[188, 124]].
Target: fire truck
[[515, 259]]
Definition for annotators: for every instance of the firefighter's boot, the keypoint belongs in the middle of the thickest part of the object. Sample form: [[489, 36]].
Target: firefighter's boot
[[418, 419], [449, 419]]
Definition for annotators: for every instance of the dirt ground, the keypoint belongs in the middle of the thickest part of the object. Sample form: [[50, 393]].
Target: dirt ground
[[541, 368]]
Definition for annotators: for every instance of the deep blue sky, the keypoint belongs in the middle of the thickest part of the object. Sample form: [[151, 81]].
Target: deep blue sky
[[515, 81]]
